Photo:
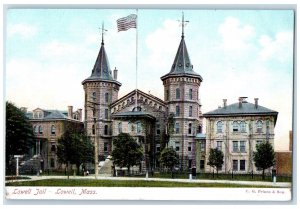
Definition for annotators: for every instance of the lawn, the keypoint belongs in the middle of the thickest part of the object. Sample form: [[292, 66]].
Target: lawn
[[120, 183]]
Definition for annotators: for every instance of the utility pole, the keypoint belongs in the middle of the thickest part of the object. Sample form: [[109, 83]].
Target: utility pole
[[17, 163]]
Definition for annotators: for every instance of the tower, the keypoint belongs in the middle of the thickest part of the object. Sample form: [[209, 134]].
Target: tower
[[181, 94], [100, 89]]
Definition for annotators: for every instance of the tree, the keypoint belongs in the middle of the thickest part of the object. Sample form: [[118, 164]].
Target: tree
[[19, 133], [264, 157], [215, 158], [127, 152], [169, 158], [75, 147], [169, 131]]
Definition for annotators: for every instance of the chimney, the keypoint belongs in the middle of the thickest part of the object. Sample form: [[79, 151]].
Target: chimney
[[240, 102], [70, 111], [80, 114], [256, 103], [225, 103], [115, 74]]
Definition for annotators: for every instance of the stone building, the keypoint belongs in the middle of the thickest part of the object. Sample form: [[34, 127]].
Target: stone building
[[48, 127], [143, 115], [236, 129]]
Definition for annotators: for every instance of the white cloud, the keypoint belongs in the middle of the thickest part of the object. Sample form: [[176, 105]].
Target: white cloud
[[235, 36], [23, 30], [280, 47]]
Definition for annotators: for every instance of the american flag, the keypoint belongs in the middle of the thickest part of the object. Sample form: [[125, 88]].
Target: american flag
[[126, 23]]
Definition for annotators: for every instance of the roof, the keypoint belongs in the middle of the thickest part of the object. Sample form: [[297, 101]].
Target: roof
[[55, 114], [134, 114], [101, 70], [182, 65], [245, 109]]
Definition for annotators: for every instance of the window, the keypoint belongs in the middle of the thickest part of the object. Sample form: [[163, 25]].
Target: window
[[177, 128], [190, 147], [129, 127], [235, 146], [53, 129], [52, 163], [242, 165], [40, 129], [190, 164], [177, 146], [94, 96], [106, 97], [106, 114], [36, 129], [191, 94], [235, 127], [177, 93], [158, 148], [105, 148], [242, 146], [93, 129], [53, 147], [258, 142], [259, 126], [190, 128], [219, 145], [157, 128], [219, 127], [200, 129], [202, 146], [106, 130], [234, 165], [167, 94], [191, 111], [243, 126], [120, 127], [94, 113], [268, 129], [177, 110], [138, 127], [202, 164]]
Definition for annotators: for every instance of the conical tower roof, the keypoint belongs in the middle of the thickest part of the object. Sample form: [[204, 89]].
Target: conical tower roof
[[182, 65], [101, 70]]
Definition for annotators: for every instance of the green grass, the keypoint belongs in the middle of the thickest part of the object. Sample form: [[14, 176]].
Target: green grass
[[120, 183]]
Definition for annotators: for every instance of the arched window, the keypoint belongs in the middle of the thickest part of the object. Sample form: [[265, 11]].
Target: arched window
[[177, 93], [94, 96], [120, 127], [138, 127], [40, 129], [129, 127], [36, 129], [235, 126], [219, 127], [93, 130], [106, 97], [106, 130], [190, 128], [53, 129], [259, 126]]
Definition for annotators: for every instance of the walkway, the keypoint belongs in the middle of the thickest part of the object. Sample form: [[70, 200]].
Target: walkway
[[104, 177]]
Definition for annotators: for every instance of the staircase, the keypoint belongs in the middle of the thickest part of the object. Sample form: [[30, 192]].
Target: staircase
[[105, 169]]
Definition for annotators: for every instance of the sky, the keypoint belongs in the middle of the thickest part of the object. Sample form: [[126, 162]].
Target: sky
[[49, 52]]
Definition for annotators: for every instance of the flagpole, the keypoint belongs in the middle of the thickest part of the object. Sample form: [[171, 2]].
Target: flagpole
[[136, 61]]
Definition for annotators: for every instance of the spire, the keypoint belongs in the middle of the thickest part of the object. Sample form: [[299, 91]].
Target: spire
[[182, 63]]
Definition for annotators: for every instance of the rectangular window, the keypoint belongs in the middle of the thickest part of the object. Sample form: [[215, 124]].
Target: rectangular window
[[177, 146], [158, 148], [235, 127], [242, 146], [191, 94], [191, 111], [53, 147], [202, 164], [138, 127], [177, 128], [190, 164], [167, 94], [202, 146], [234, 165], [235, 146], [219, 145], [243, 127], [190, 129], [177, 110], [157, 129], [52, 163], [190, 147], [105, 147], [242, 165]]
